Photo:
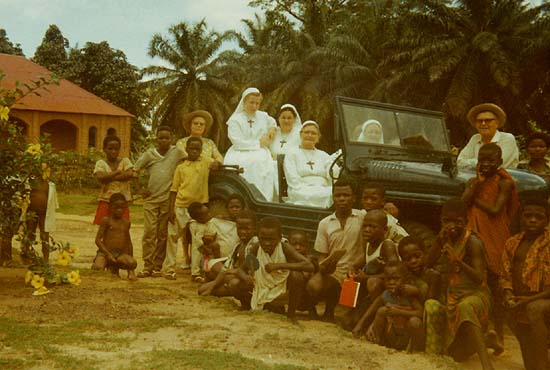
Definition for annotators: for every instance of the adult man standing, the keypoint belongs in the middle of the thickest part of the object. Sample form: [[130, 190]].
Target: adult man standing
[[338, 244], [487, 119]]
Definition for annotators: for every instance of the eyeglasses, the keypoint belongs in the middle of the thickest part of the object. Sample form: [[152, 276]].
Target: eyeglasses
[[486, 120]]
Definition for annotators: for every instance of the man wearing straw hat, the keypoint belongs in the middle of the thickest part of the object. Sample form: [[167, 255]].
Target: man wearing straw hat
[[487, 119]]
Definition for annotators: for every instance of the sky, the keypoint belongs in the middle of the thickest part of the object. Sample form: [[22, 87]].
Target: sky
[[127, 25]]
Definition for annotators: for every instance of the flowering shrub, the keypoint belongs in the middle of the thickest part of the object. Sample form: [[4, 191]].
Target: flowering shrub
[[41, 274]]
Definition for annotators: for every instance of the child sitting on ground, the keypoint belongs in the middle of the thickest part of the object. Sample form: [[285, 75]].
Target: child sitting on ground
[[525, 282], [278, 271], [374, 197], [397, 314], [368, 267], [114, 174], [231, 279], [114, 241], [426, 280], [203, 239]]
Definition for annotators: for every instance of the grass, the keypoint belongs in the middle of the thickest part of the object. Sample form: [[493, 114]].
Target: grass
[[205, 359], [86, 204]]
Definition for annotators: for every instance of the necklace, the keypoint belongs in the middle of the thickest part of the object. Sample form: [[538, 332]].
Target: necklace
[[309, 154], [283, 138]]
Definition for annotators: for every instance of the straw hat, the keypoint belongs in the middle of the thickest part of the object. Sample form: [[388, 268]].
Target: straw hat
[[486, 107], [197, 113]]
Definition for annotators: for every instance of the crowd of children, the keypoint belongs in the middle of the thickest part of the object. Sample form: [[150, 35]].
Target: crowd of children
[[452, 298]]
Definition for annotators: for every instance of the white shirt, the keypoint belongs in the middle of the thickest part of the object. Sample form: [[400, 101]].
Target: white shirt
[[467, 158]]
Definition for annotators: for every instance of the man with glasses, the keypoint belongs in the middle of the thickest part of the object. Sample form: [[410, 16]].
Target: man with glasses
[[487, 119]]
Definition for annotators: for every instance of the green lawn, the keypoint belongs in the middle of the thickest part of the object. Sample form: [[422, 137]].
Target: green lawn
[[85, 205]]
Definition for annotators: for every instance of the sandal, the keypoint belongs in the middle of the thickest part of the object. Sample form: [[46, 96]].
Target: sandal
[[144, 274], [156, 273], [170, 275], [197, 279]]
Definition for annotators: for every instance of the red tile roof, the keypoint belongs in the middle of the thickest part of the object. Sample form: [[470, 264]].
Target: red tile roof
[[65, 97]]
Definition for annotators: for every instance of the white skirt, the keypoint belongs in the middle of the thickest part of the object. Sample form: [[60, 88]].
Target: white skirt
[[315, 191], [258, 169]]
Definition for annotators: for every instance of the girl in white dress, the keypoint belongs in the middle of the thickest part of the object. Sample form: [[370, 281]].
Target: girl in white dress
[[287, 134], [306, 170], [251, 131]]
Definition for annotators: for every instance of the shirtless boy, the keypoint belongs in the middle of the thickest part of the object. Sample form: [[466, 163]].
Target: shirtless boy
[[113, 240], [525, 281], [36, 217]]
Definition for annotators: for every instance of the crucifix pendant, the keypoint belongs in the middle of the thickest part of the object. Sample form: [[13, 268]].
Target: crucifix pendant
[[310, 164], [250, 122], [283, 142]]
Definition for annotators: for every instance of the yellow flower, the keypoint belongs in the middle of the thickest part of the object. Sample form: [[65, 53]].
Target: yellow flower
[[46, 171], [28, 276], [34, 149], [41, 291], [4, 113], [64, 258], [37, 281], [74, 277]]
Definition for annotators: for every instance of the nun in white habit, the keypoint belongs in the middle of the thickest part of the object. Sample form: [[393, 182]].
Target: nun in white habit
[[287, 134], [306, 170], [251, 131], [371, 132]]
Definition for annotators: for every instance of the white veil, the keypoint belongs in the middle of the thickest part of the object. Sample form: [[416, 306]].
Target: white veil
[[362, 136], [240, 106], [298, 121]]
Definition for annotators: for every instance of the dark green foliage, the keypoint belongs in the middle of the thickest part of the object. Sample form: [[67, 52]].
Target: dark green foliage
[[8, 47], [52, 52]]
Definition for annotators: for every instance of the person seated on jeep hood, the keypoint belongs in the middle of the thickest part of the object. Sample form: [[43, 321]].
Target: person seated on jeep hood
[[487, 119], [287, 134], [306, 170], [374, 197]]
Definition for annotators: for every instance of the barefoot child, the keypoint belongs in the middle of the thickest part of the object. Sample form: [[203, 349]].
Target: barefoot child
[[374, 197], [114, 174], [457, 327], [397, 315], [232, 280], [113, 240], [526, 284], [201, 231], [492, 203], [412, 252], [279, 270], [368, 266], [190, 184], [160, 163]]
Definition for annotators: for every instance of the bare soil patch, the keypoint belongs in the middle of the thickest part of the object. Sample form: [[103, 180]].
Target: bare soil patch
[[111, 323]]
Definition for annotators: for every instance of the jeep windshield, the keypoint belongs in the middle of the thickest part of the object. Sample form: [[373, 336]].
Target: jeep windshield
[[382, 131]]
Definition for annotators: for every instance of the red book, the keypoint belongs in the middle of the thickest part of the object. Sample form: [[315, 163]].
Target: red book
[[349, 292]]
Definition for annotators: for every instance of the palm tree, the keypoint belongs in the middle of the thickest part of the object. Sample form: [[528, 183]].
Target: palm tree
[[466, 52], [191, 76]]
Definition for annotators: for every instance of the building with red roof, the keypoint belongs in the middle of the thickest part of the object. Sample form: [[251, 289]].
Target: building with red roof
[[74, 118]]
